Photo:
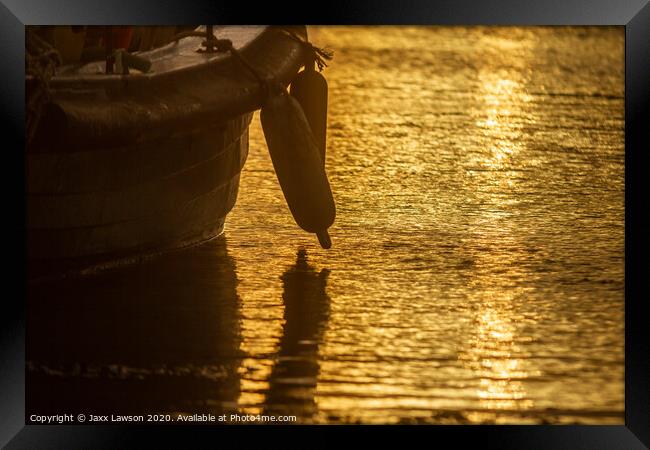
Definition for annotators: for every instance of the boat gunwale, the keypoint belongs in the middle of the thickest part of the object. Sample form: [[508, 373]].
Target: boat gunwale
[[71, 80], [115, 110], [101, 80]]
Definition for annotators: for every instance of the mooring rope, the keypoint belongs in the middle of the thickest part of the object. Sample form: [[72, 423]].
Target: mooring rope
[[316, 55], [226, 45]]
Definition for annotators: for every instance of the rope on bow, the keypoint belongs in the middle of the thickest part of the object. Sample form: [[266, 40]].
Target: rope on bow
[[316, 54]]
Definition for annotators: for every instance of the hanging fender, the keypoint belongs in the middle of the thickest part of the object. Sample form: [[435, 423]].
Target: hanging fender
[[298, 165], [310, 89]]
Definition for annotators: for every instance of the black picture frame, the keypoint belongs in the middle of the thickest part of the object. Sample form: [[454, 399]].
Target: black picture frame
[[634, 15]]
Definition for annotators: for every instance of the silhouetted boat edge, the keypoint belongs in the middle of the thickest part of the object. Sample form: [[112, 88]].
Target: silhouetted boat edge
[[128, 165]]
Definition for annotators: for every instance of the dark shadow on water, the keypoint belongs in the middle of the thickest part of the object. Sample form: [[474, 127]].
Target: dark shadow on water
[[292, 383], [162, 336]]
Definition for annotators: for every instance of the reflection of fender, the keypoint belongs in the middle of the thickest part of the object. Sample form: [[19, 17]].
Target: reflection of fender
[[298, 165], [294, 377]]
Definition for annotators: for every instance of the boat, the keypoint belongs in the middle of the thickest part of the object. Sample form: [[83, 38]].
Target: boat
[[133, 163]]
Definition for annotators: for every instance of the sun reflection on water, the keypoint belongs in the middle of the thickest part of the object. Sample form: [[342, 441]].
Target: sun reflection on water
[[448, 264], [493, 357], [477, 267]]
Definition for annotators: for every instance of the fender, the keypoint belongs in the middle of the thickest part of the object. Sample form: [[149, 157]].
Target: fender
[[298, 165], [310, 89]]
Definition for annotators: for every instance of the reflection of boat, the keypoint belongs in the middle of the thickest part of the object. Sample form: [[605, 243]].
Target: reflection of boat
[[118, 342], [128, 164]]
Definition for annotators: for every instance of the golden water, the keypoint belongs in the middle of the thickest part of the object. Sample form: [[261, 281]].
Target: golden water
[[477, 267]]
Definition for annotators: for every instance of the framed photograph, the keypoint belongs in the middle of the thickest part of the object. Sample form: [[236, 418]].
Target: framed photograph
[[425, 216]]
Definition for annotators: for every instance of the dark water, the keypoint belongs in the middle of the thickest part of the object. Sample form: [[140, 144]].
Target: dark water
[[477, 268]]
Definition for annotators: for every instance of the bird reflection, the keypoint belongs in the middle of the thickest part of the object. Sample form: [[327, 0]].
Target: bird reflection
[[307, 307], [162, 336]]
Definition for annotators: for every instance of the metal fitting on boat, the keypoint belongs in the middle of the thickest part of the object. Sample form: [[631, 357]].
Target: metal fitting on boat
[[125, 61]]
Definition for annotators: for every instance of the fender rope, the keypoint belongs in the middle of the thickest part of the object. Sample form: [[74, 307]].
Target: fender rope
[[319, 55]]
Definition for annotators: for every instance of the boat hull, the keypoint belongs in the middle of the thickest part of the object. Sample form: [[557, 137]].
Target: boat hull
[[126, 166], [177, 199]]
